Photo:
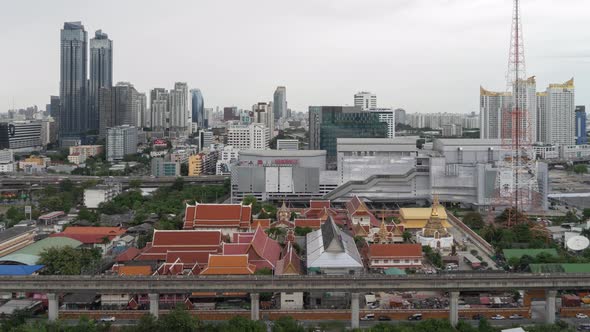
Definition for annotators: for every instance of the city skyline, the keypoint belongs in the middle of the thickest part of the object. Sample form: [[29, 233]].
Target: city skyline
[[314, 71]]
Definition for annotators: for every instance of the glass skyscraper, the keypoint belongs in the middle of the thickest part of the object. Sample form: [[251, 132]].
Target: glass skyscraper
[[198, 110], [279, 104], [72, 92], [101, 74], [581, 136]]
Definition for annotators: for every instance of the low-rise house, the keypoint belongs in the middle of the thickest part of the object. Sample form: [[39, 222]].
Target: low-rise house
[[102, 238], [383, 256]]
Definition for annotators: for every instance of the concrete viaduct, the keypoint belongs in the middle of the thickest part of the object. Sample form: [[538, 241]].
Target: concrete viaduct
[[354, 284]]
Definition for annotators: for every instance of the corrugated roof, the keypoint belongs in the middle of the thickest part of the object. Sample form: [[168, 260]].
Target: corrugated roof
[[29, 255], [319, 257]]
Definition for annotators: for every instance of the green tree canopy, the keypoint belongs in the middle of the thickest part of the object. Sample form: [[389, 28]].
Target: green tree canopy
[[68, 260]]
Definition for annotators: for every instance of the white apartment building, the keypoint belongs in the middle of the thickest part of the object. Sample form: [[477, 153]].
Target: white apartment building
[[255, 136], [178, 106], [365, 100], [227, 156], [100, 194], [121, 141], [263, 113], [560, 114], [491, 106]]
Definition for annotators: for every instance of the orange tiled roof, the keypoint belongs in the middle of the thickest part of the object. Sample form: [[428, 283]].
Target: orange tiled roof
[[217, 215], [264, 223], [135, 270], [104, 231], [228, 264]]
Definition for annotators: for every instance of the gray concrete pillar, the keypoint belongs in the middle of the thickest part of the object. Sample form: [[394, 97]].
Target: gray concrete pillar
[[52, 307], [254, 306], [550, 306], [354, 310], [454, 308], [154, 304]]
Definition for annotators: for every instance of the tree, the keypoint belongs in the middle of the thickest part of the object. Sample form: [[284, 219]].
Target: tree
[[85, 214], [407, 236], [240, 324], [15, 214], [302, 231], [265, 271], [581, 169], [178, 320], [178, 184], [276, 232], [68, 260], [255, 204], [474, 220], [287, 324], [135, 183], [586, 213]]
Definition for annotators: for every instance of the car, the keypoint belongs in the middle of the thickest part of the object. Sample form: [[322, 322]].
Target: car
[[368, 317], [374, 305], [516, 316], [477, 317], [383, 318], [415, 317], [497, 317], [107, 319], [583, 327], [580, 315]]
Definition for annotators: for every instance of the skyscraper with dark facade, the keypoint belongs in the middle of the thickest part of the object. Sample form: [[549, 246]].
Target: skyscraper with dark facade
[[101, 74], [581, 135], [118, 106], [72, 92], [279, 104], [198, 108]]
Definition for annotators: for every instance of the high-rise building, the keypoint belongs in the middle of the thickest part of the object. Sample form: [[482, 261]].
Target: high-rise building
[[198, 108], [159, 109], [541, 117], [160, 167], [178, 107], [251, 137], [263, 113], [121, 141], [386, 115], [101, 74], [328, 123], [72, 92], [365, 100], [561, 117], [400, 116], [21, 135], [230, 113], [118, 106], [141, 110], [491, 105], [54, 107], [581, 136], [205, 139], [279, 105]]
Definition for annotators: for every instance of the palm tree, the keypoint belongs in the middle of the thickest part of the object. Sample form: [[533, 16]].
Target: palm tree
[[407, 236]]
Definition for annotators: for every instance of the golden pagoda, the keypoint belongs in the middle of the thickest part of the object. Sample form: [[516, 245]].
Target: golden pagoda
[[434, 227]]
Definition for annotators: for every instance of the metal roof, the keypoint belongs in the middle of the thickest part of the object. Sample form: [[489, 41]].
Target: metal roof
[[29, 255], [19, 270], [329, 247], [14, 232]]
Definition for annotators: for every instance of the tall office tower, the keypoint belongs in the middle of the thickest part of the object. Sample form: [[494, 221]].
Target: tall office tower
[[207, 114], [230, 113], [365, 100], [386, 115], [542, 117], [279, 105], [54, 107], [118, 106], [178, 107], [263, 113], [328, 123], [101, 74], [491, 105], [141, 110], [560, 114], [581, 136], [159, 109], [400, 116], [198, 107], [72, 90]]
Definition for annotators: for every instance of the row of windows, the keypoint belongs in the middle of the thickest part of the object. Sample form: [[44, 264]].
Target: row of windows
[[395, 261]]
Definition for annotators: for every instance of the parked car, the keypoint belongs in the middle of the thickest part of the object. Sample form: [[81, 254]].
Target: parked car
[[415, 317], [368, 317], [107, 319], [580, 315], [497, 317], [384, 318], [516, 316], [583, 327]]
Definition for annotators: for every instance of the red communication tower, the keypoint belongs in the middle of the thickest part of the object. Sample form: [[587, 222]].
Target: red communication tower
[[516, 187]]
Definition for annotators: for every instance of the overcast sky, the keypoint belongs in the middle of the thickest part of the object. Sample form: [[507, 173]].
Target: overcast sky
[[422, 55]]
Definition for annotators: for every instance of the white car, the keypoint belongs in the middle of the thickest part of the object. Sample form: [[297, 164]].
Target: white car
[[497, 317], [581, 315], [107, 319], [516, 316]]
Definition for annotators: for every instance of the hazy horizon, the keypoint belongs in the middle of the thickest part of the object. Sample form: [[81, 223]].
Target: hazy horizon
[[418, 55]]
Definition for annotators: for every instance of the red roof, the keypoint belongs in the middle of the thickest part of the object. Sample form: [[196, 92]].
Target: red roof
[[356, 207], [261, 249], [229, 264], [217, 215], [395, 250], [319, 204], [128, 255], [235, 248], [290, 264], [186, 240], [104, 231], [311, 223], [266, 247], [264, 223], [242, 237]]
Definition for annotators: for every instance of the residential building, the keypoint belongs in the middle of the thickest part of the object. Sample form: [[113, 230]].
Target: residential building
[[573, 152], [198, 108], [228, 156], [54, 107], [263, 114], [287, 144], [15, 238], [102, 193], [142, 115], [202, 163], [561, 116], [121, 141], [159, 109], [254, 136], [383, 256], [178, 107], [230, 114], [87, 150], [73, 80], [365, 100], [101, 238], [118, 106], [20, 136], [400, 116], [160, 167], [101, 74], [328, 123], [229, 218], [76, 159], [581, 134], [205, 139], [6, 161], [492, 106], [452, 130], [279, 104]]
